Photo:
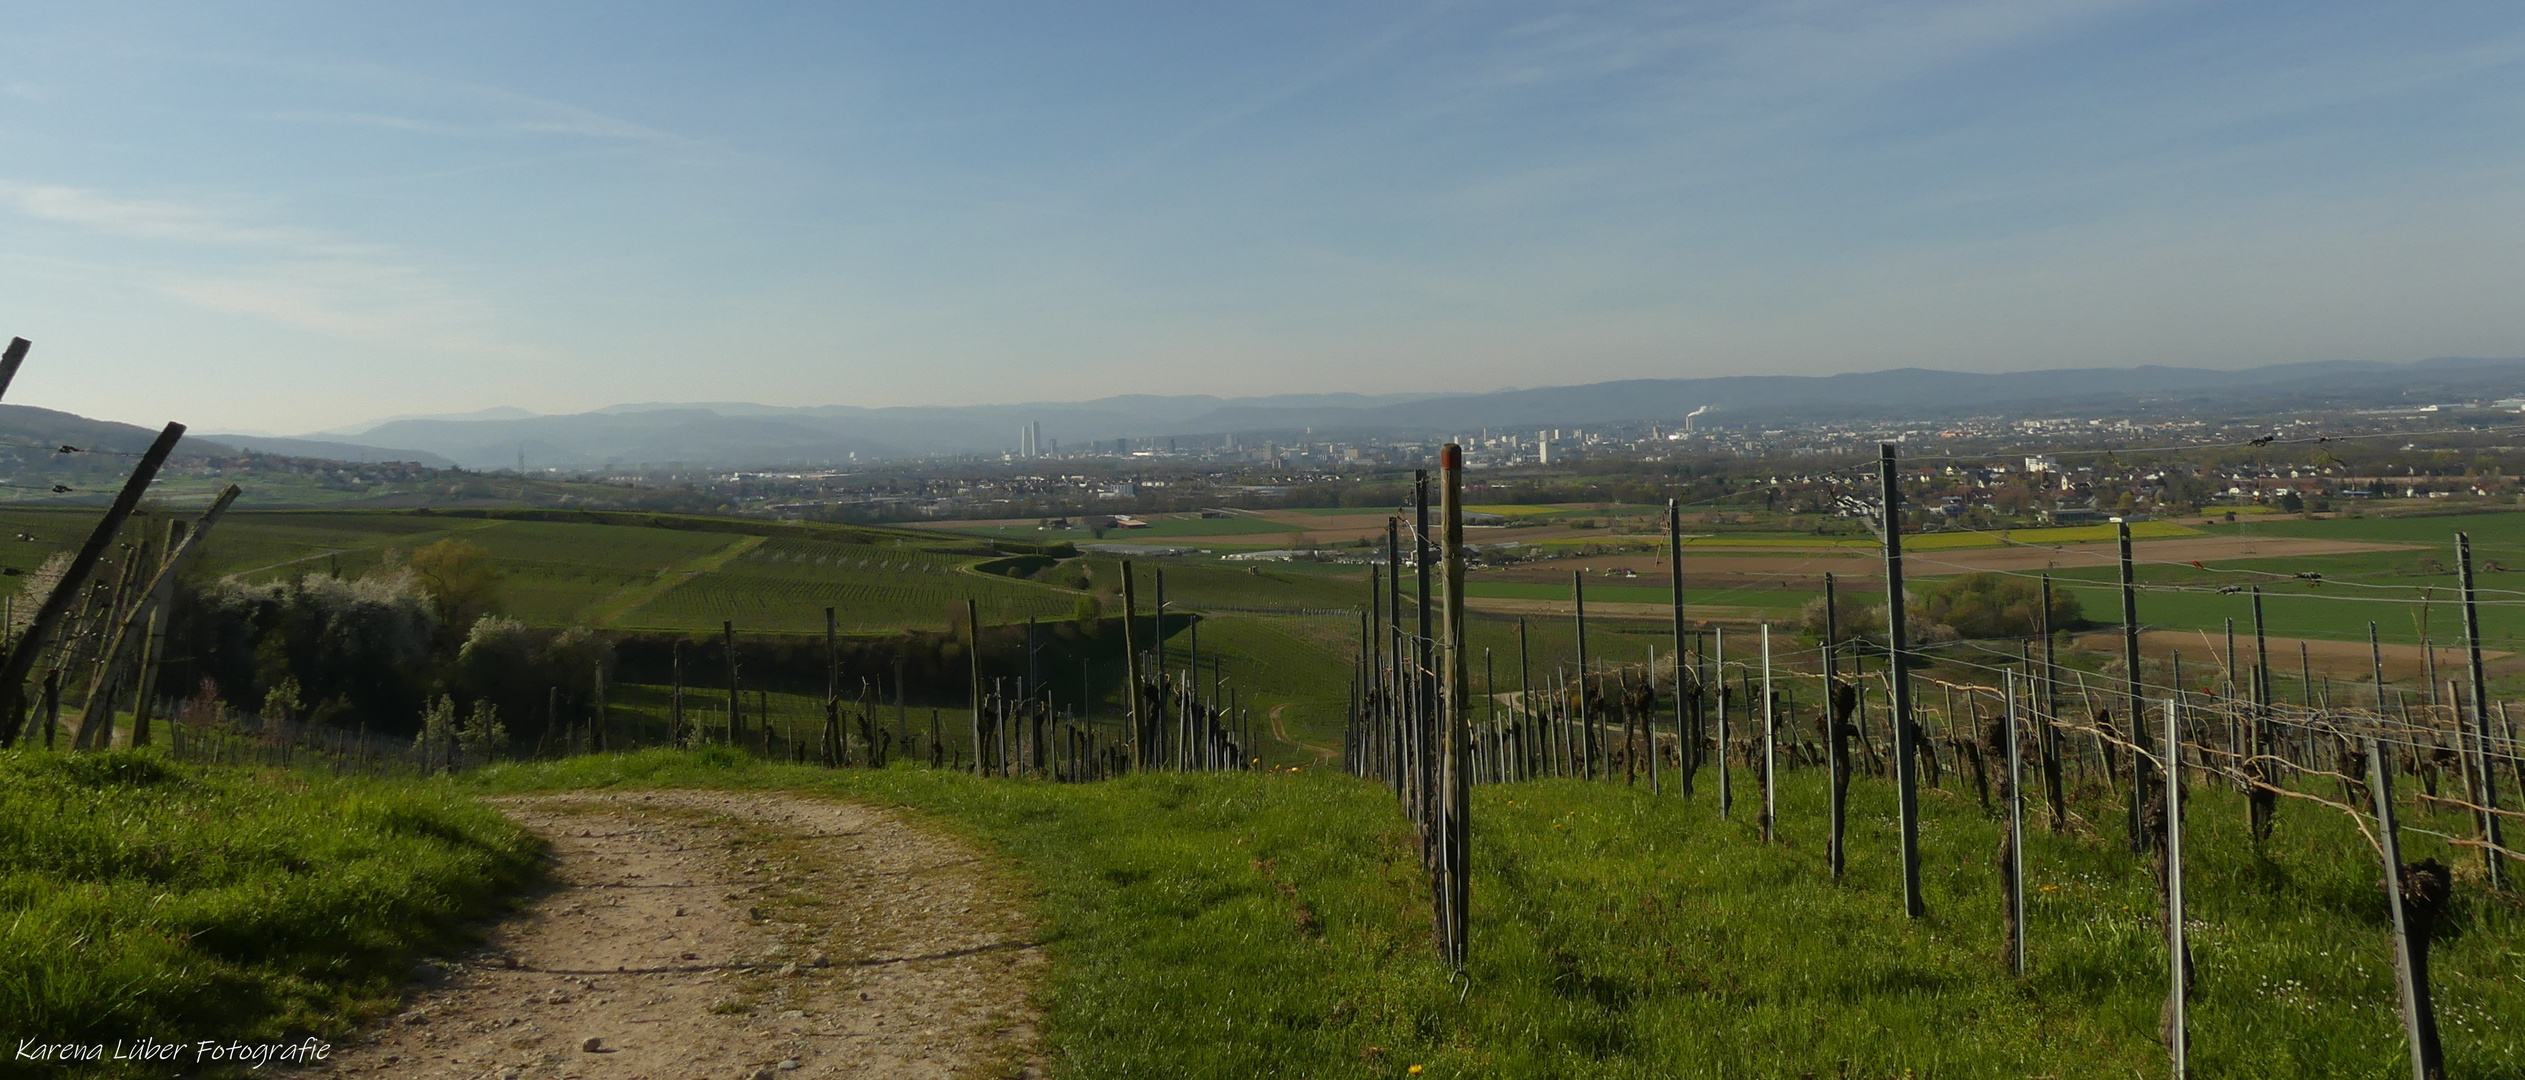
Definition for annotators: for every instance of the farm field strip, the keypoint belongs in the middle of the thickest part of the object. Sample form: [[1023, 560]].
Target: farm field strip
[[611, 609]]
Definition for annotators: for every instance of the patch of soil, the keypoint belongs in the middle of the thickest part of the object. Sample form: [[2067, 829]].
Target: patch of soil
[[731, 935]]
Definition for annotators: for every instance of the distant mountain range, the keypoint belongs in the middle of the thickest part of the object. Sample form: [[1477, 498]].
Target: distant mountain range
[[744, 434]]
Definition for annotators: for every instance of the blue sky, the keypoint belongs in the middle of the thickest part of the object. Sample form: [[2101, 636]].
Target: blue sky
[[289, 217]]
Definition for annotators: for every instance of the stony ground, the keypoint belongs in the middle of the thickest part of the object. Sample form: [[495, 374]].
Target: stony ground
[[703, 935]]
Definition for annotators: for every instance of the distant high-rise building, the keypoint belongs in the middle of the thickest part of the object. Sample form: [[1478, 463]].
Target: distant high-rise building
[[1030, 439]]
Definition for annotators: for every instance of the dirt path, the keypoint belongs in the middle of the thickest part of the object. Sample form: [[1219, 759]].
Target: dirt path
[[728, 935], [1280, 730]]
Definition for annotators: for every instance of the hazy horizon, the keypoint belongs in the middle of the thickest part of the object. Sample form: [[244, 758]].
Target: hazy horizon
[[300, 218]]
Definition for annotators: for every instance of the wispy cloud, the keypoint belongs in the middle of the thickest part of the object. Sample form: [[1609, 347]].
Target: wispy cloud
[[354, 301], [300, 278], [145, 219], [404, 100]]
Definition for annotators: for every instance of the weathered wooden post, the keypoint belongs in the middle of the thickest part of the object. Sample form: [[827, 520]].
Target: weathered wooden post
[[1398, 739], [2178, 954], [2055, 795], [21, 656], [1131, 660], [2131, 690], [2488, 790], [1170, 744], [1527, 730], [736, 705], [10, 360], [831, 742], [1770, 745], [1726, 779], [2261, 803], [1372, 660], [153, 650], [973, 628], [1425, 702], [2411, 929], [1586, 724], [597, 716], [1648, 720], [1687, 740], [675, 693], [146, 621], [1494, 739], [2012, 864], [1455, 818], [1906, 738]]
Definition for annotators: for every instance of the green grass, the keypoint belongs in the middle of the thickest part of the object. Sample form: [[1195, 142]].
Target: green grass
[[140, 897], [1277, 925], [1160, 526], [1298, 665], [1199, 585], [2498, 532], [631, 576], [1750, 596], [784, 586]]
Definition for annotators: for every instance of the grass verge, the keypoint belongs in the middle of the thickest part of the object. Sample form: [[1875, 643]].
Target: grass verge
[[142, 898], [1277, 925]]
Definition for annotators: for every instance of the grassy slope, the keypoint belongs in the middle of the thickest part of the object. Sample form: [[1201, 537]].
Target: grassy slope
[[1276, 925], [143, 898]]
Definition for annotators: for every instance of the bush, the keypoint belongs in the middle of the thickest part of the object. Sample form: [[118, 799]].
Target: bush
[[1961, 607], [318, 638]]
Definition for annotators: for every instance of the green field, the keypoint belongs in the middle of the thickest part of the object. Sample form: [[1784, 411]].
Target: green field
[[1277, 925], [783, 586], [633, 577], [1768, 597], [1160, 527], [2501, 533], [2405, 592], [1272, 623]]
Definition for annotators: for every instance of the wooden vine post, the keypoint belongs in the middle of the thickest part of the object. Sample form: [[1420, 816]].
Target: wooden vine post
[[1586, 725], [1130, 659], [973, 654], [2487, 792], [1687, 740], [831, 749], [20, 661], [736, 703], [2131, 690], [1726, 776], [1168, 748], [2261, 804], [2012, 860], [2055, 795], [2411, 946], [1454, 818], [1770, 747], [1839, 702], [153, 650], [1906, 737], [1530, 758], [147, 622], [1424, 658], [675, 694], [2178, 954]]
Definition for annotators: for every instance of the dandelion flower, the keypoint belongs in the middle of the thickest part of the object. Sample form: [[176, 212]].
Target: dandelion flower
[[1415, 1070]]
